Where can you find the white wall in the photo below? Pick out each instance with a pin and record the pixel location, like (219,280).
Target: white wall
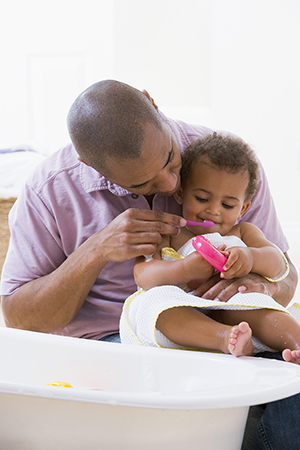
(256,90)
(165,46)
(237,59)
(50,51)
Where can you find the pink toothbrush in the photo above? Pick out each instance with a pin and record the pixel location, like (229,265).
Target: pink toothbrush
(206,223)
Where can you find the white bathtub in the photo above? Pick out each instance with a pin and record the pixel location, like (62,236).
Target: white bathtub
(151,399)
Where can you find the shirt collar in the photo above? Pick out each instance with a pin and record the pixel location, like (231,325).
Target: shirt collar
(92,181)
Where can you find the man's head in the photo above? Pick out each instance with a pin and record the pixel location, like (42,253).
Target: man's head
(117,130)
(108,120)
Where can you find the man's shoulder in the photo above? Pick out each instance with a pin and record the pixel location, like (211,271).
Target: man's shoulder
(60,163)
(186,133)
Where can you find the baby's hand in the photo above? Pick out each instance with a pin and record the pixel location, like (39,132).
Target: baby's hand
(196,267)
(239,263)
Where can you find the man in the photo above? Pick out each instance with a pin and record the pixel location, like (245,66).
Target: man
(90,209)
(86,214)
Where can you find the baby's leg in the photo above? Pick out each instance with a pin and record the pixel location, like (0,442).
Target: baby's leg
(276,329)
(188,327)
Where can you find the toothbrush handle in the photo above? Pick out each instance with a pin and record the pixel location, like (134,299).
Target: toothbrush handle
(209,252)
(207,223)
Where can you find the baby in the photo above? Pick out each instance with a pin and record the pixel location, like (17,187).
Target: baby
(219,177)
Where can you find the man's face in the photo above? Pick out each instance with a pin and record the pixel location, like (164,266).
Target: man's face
(156,171)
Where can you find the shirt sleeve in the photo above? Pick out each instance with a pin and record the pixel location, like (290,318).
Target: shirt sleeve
(35,249)
(262,213)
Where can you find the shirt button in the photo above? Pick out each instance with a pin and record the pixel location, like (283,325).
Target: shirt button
(135,196)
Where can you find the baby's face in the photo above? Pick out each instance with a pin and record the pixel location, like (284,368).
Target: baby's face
(216,195)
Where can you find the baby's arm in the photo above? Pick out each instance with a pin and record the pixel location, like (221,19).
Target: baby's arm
(260,256)
(148,274)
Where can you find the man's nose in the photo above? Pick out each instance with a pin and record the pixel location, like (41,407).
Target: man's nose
(168,182)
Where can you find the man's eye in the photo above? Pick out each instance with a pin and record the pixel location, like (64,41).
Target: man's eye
(140,187)
(170,158)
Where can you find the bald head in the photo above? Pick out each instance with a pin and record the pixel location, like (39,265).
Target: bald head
(107,120)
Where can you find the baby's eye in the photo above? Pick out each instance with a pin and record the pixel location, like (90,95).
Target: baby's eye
(226,206)
(201,199)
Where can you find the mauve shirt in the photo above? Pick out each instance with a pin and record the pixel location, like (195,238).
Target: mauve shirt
(64,202)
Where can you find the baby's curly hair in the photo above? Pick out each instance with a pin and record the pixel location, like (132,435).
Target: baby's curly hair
(225,153)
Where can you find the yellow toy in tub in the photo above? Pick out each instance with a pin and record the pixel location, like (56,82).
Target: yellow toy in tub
(60,384)
(67,385)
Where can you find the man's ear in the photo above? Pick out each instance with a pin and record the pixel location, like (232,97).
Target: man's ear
(81,160)
(245,208)
(150,98)
(179,196)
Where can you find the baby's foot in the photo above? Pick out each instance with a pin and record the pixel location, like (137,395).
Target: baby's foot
(240,343)
(292,356)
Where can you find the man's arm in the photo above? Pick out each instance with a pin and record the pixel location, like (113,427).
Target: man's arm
(49,303)
(282,291)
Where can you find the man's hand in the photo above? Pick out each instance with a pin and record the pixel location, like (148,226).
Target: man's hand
(223,290)
(135,232)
